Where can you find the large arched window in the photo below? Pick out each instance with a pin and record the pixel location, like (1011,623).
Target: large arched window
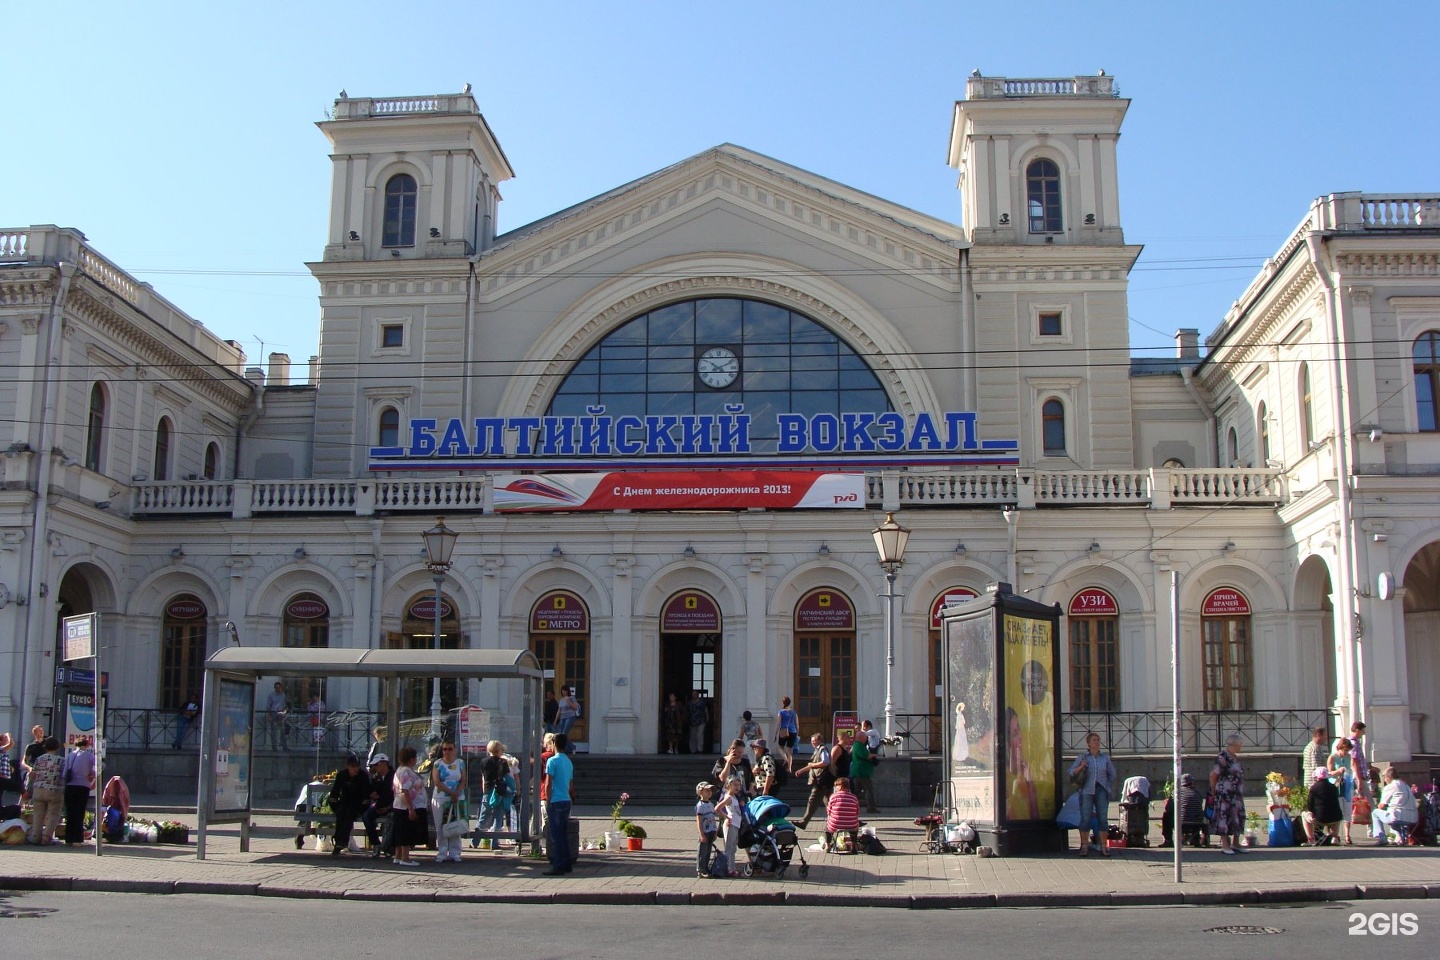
(1427,381)
(212,461)
(1042,188)
(1052,427)
(95,428)
(1262,434)
(1225,626)
(162,449)
(1307,409)
(697,357)
(306,624)
(400,197)
(388,434)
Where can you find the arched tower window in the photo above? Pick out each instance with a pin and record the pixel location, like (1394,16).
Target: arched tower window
(212,461)
(1262,433)
(400,198)
(1427,381)
(1232,446)
(162,449)
(1307,409)
(388,434)
(95,428)
(1052,427)
(1042,189)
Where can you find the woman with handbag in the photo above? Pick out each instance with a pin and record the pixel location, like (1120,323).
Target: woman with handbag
(1342,773)
(409,817)
(1093,774)
(452,811)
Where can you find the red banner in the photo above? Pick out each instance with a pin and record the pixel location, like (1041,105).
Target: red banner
(824,610)
(1225,602)
(560,612)
(690,612)
(680,490)
(1093,602)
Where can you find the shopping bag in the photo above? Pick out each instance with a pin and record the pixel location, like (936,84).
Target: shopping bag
(1360,811)
(1069,815)
(1282,833)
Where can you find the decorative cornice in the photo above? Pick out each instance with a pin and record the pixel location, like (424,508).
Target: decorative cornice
(607,220)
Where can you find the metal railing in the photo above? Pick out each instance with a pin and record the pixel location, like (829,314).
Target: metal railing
(1148,732)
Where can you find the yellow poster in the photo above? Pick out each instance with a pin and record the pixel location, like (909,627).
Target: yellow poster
(1029,719)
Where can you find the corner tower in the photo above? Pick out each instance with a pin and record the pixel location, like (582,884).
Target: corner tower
(414,177)
(1037,160)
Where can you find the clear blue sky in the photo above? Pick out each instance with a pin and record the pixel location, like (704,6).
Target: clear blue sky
(180,137)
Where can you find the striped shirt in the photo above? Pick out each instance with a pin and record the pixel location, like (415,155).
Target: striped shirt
(842,811)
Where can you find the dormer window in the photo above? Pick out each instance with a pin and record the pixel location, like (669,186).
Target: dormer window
(400,200)
(1042,181)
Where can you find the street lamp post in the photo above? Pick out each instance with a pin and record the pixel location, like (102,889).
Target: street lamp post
(890,539)
(439,546)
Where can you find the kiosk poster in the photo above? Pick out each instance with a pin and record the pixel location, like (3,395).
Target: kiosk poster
(232,745)
(970,717)
(1029,718)
(79,716)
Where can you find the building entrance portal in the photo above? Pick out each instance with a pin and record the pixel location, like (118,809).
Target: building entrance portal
(824,660)
(418,633)
(690,661)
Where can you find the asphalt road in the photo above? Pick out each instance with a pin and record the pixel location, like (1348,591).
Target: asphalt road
(38,926)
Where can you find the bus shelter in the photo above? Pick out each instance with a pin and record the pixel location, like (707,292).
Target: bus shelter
(227,733)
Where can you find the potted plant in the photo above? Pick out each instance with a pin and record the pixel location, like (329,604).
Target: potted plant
(634,835)
(1252,827)
(614,838)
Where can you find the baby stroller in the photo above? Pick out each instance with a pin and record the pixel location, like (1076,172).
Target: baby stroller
(769,839)
(1135,811)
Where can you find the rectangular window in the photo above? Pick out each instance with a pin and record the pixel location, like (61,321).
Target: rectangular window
(392,335)
(1050,325)
(1227,663)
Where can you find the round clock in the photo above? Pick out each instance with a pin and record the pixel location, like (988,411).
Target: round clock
(717,367)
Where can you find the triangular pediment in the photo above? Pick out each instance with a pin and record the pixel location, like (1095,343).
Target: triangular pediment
(756,186)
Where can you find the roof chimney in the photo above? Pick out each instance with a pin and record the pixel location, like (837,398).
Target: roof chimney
(1187,343)
(280,369)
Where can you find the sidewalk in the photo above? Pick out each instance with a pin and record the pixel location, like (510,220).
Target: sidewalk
(664,872)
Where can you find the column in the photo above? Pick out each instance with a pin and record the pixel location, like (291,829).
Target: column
(757,653)
(621,730)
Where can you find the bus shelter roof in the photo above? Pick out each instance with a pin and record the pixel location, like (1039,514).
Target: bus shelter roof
(345,662)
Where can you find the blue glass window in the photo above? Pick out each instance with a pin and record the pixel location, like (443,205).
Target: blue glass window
(1042,180)
(400,198)
(788,362)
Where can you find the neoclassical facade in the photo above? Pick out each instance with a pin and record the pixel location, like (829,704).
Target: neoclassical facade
(665,421)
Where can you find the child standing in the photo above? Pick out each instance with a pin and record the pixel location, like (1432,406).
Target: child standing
(705,825)
(730,809)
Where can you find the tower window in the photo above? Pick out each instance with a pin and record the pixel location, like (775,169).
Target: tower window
(1052,419)
(1307,409)
(1427,381)
(162,449)
(95,428)
(1050,324)
(389,433)
(400,198)
(1042,181)
(392,335)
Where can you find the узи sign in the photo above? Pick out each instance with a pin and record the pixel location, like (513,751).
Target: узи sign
(600,440)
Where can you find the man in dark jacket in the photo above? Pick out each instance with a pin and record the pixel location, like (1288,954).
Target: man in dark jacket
(1322,809)
(376,815)
(348,796)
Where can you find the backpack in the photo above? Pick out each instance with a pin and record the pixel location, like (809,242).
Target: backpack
(501,786)
(720,866)
(782,775)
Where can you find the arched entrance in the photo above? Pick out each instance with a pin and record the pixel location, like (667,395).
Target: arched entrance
(824,658)
(182,650)
(1094,618)
(690,654)
(560,640)
(417,632)
(306,624)
(1228,654)
(1422,648)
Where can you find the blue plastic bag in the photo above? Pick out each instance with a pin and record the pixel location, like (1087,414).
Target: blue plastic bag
(1282,833)
(1069,815)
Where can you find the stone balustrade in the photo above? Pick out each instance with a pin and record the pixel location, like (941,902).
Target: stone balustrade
(13,243)
(1027,489)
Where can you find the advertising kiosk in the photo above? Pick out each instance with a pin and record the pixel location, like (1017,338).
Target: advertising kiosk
(1002,721)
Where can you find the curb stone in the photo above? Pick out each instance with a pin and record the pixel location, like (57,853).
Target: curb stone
(1395,891)
(105,885)
(401,896)
(1154,899)
(298,893)
(217,887)
(1052,899)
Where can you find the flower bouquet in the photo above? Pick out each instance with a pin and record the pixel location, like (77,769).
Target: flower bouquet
(633,831)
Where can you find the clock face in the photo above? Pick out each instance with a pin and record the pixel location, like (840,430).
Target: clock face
(717,367)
